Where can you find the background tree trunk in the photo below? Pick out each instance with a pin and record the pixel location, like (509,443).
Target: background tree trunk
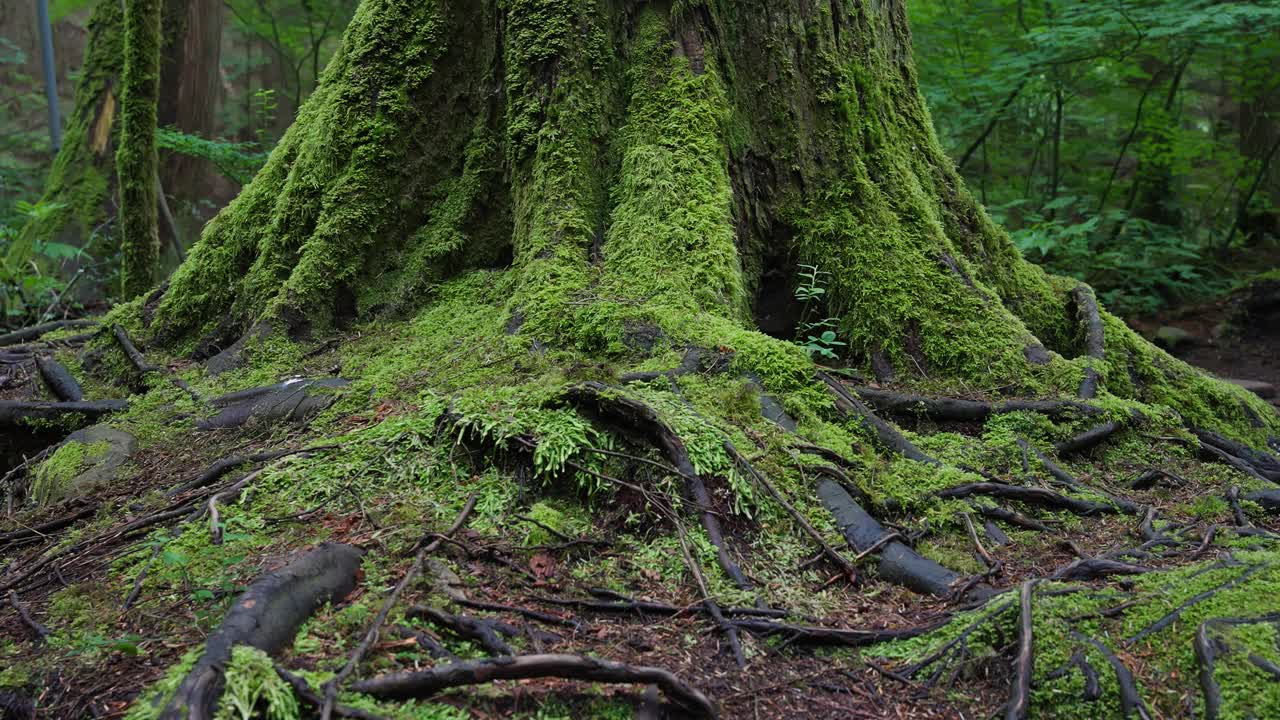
(136,158)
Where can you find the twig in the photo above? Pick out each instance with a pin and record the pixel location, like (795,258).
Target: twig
(41,631)
(332,686)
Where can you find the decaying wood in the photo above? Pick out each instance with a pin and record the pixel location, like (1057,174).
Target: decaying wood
(427,683)
(20,414)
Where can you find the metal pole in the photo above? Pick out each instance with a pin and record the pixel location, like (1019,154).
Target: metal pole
(50,75)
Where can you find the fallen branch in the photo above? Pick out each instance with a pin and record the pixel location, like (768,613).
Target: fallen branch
(1024,665)
(426,683)
(40,631)
(36,331)
(221,467)
(19,414)
(266,616)
(59,379)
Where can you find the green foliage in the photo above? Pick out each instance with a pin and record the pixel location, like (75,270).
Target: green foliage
(1116,138)
(237,161)
(28,291)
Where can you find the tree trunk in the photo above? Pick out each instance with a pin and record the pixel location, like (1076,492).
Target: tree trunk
(83,184)
(581,145)
(137,163)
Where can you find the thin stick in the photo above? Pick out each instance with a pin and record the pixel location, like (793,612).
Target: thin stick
(41,631)
(371,635)
(1024,667)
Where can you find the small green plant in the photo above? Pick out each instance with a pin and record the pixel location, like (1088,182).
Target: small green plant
(815,337)
(30,291)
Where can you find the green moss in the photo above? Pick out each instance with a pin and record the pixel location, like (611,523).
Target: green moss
(136,160)
(53,477)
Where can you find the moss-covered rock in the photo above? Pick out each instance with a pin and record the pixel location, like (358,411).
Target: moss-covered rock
(86,459)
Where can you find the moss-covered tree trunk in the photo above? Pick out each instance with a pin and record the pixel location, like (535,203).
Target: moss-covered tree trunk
(82,190)
(136,161)
(637,165)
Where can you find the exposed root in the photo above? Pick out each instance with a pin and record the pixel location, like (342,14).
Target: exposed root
(1131,701)
(332,687)
(312,698)
(59,379)
(1173,615)
(1013,518)
(889,437)
(899,564)
(22,415)
(426,683)
(1066,479)
(631,414)
(221,467)
(845,566)
(265,616)
(139,362)
(835,637)
(955,409)
(1088,439)
(1030,496)
(1096,569)
(1094,337)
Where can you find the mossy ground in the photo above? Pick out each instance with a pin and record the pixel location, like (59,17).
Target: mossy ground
(428,419)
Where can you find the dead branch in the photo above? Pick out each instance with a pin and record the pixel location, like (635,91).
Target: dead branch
(1024,665)
(59,379)
(40,631)
(426,683)
(36,331)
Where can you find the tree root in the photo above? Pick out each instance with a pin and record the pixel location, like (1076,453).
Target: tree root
(845,566)
(957,410)
(1130,699)
(59,379)
(899,564)
(488,632)
(836,637)
(1029,496)
(1252,462)
(631,414)
(1013,518)
(18,414)
(1088,439)
(1065,478)
(1173,615)
(1097,568)
(266,616)
(889,437)
(36,331)
(426,683)
(139,362)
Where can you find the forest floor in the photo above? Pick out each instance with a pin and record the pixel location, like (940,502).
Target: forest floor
(100,656)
